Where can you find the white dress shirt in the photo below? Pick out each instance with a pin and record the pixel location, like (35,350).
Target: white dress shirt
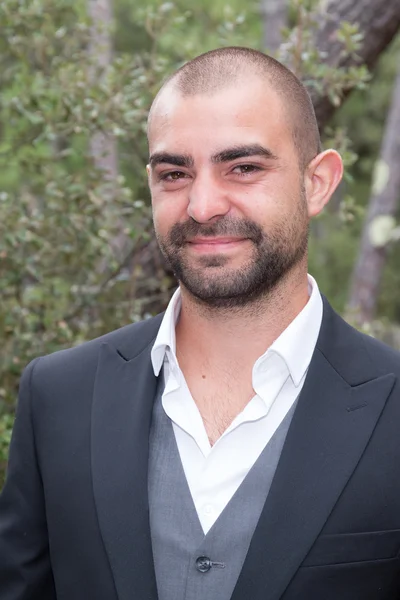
(215,473)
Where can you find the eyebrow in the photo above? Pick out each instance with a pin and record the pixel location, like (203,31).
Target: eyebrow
(179,160)
(184,160)
(243,152)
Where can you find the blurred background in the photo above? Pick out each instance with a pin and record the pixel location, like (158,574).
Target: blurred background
(77,252)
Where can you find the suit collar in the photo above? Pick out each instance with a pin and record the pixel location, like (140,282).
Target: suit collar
(336,340)
(345,349)
(130,341)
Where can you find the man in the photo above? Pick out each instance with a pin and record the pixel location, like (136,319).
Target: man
(245,444)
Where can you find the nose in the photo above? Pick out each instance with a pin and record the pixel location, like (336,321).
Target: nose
(207,199)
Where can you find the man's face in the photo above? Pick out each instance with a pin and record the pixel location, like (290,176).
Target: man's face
(229,208)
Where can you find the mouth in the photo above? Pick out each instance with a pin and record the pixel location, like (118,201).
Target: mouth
(217,244)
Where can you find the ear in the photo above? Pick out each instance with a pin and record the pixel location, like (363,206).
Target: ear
(148,171)
(321,179)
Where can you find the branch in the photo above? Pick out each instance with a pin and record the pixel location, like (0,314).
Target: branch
(378,21)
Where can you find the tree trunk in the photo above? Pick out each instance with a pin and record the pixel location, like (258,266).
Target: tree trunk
(379,21)
(274,17)
(103,146)
(368,270)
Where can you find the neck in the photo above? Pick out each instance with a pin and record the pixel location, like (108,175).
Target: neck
(231,336)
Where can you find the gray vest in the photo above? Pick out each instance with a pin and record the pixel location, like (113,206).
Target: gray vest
(188,564)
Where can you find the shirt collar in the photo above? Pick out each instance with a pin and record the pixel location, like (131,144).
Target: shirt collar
(166,340)
(295,345)
(297,342)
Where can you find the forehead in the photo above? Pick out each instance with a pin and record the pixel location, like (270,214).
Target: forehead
(246,112)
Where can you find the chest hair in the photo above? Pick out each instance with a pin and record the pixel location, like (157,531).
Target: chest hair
(219,400)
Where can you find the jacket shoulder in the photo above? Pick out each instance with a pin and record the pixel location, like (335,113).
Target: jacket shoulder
(81,360)
(358,357)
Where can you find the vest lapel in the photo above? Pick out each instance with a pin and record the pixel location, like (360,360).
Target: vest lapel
(122,406)
(329,432)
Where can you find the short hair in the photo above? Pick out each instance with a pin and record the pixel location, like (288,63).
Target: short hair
(214,70)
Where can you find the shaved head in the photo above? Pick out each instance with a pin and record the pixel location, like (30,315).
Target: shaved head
(216,70)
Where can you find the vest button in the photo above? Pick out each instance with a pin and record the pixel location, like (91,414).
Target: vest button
(203,564)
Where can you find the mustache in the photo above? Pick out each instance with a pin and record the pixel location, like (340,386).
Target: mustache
(180,233)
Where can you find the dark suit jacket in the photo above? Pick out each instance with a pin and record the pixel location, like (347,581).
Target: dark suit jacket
(74,520)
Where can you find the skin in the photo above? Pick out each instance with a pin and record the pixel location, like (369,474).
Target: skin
(213,192)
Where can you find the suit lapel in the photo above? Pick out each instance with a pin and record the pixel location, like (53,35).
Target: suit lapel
(329,432)
(121,418)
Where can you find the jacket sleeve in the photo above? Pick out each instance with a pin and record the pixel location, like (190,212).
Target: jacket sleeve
(25,569)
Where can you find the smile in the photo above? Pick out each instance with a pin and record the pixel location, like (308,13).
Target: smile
(225,244)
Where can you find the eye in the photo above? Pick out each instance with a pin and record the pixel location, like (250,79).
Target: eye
(173,176)
(246,169)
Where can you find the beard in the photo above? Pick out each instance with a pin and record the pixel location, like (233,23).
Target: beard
(210,279)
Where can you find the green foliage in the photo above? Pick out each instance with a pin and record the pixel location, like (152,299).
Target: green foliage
(6,423)
(56,219)
(333,246)
(299,52)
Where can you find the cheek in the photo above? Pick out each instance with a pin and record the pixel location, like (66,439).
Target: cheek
(160,219)
(167,210)
(274,199)
(258,204)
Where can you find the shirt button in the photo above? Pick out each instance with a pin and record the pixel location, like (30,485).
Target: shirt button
(203,564)
(208,510)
